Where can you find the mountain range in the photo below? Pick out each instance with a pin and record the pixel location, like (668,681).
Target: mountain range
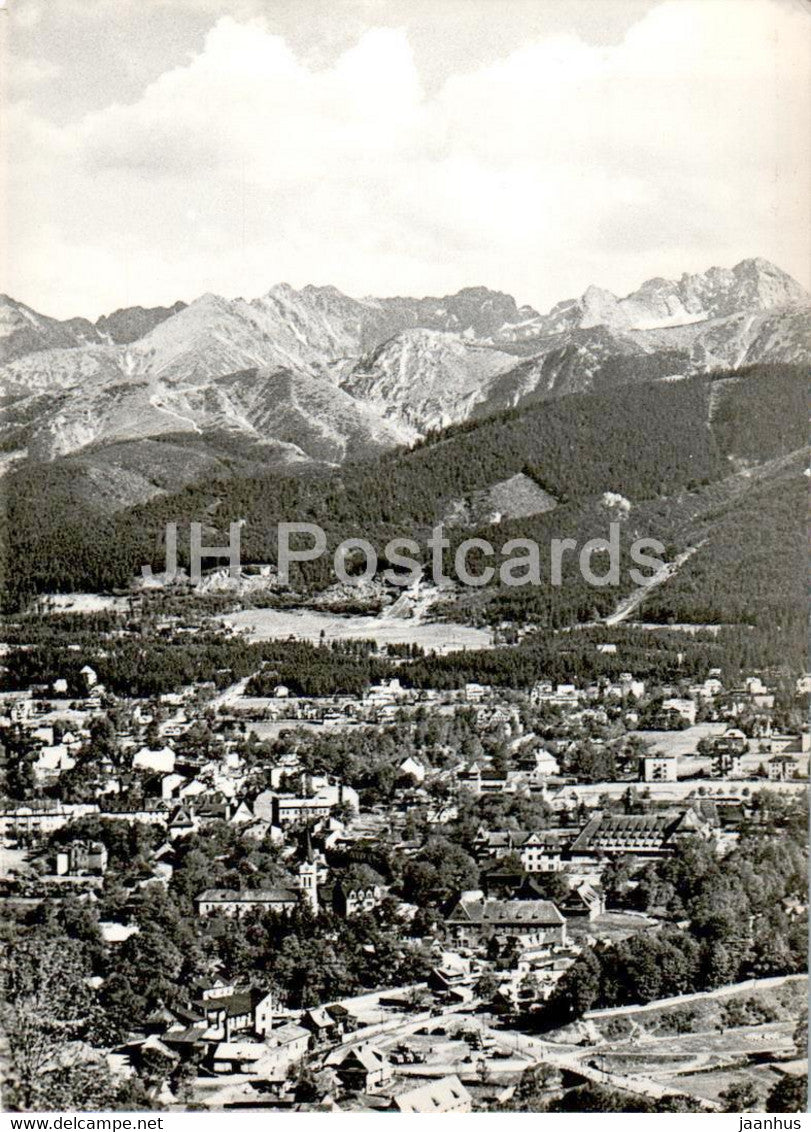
(314,376)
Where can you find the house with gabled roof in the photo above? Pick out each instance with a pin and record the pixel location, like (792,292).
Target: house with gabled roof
(542,851)
(361,890)
(448,1094)
(242,1057)
(475,920)
(181,822)
(321,1025)
(242,1011)
(412,767)
(583,902)
(364,1069)
(494,842)
(212,986)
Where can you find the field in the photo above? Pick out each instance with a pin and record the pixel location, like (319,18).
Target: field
(709,1086)
(310,625)
(681,742)
(614,926)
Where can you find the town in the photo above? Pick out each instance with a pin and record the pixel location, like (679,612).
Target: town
(417,899)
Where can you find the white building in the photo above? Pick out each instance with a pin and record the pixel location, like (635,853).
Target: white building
(161,761)
(89,676)
(683,707)
(659,768)
(413,767)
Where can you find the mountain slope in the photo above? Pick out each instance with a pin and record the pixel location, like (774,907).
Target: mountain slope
(287,406)
(23,330)
(408,365)
(644,442)
(131,323)
(427,378)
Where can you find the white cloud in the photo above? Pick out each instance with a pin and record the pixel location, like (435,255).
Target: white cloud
(28,72)
(561,164)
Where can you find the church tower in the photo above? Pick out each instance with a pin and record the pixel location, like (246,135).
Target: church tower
(308,877)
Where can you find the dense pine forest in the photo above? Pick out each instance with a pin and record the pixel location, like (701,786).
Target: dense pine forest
(690,456)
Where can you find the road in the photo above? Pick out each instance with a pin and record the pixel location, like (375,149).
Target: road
(697,996)
(530,1050)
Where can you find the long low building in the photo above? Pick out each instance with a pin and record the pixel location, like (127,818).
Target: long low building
(230,902)
(42,816)
(644,835)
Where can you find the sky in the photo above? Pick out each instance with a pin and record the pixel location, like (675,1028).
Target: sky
(156,150)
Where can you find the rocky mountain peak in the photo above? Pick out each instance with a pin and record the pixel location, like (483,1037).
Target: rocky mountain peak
(405,364)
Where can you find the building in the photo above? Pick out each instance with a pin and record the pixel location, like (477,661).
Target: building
(52,761)
(564,695)
(727,751)
(480,779)
(248,1058)
(364,1069)
(248,1011)
(229,902)
(42,816)
(354,898)
(583,903)
(152,815)
(414,768)
(387,691)
(542,852)
(790,744)
(290,1039)
(782,768)
(733,741)
(212,987)
(316,801)
(309,874)
(545,766)
(21,709)
(181,822)
(88,676)
(82,858)
(494,843)
(726,764)
(162,761)
(451,973)
(686,708)
(659,768)
(321,1026)
(474,920)
(643,835)
(448,1094)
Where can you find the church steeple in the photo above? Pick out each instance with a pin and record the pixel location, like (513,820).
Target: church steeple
(308,875)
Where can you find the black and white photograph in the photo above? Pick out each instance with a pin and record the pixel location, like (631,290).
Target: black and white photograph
(404,467)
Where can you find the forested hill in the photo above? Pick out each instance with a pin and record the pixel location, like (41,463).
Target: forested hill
(645,443)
